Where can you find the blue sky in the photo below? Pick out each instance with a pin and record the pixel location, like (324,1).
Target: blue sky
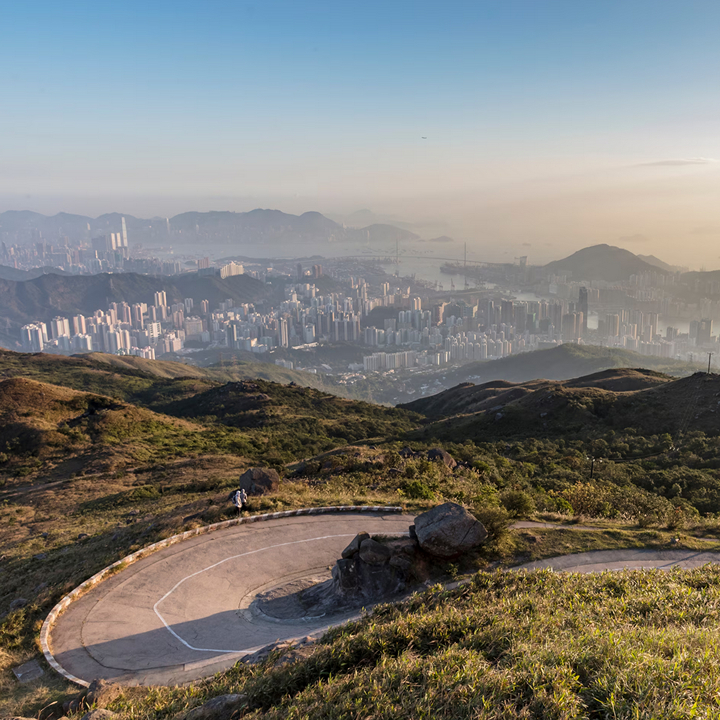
(329,101)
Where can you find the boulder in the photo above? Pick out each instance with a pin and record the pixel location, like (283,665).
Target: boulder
(101,693)
(354,546)
(99,714)
(373,553)
(219,708)
(259,481)
(448,530)
(442,456)
(18,603)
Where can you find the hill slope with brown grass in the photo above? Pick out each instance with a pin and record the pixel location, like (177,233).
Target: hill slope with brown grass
(648,403)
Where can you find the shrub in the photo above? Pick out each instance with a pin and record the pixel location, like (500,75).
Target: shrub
(495,520)
(417,490)
(518,503)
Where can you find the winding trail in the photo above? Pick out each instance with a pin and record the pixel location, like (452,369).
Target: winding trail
(184,612)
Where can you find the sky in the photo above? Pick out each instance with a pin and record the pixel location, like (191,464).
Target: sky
(543,124)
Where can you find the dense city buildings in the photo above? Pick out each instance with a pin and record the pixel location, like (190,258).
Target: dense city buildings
(386,323)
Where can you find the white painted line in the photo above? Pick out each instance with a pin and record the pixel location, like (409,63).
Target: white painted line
(214,565)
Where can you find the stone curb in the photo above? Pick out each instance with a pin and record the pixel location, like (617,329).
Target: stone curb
(143,552)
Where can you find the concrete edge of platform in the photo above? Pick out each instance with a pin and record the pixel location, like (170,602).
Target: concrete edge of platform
(143,552)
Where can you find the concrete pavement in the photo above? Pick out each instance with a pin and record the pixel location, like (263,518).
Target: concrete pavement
(183,612)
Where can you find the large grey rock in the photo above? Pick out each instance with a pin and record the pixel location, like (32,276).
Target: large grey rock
(219,708)
(373,553)
(101,693)
(99,714)
(354,546)
(448,530)
(259,481)
(443,456)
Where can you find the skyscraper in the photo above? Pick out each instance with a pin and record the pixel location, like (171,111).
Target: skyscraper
(583,308)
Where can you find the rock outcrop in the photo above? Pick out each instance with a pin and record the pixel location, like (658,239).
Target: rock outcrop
(219,708)
(448,530)
(259,481)
(443,456)
(370,570)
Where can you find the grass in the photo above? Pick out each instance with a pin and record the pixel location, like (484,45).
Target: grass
(631,644)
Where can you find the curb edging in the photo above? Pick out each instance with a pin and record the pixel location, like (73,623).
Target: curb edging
(119,565)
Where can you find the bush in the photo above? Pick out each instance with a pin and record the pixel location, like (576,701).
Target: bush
(495,520)
(417,490)
(518,503)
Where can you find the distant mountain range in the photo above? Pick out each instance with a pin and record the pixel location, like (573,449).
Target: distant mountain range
(254,227)
(663,265)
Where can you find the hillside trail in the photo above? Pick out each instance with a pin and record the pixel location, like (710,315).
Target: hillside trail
(31,488)
(530,524)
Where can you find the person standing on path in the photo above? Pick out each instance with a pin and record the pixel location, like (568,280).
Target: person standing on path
(239,499)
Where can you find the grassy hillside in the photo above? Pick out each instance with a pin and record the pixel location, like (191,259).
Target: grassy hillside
(98,458)
(561,363)
(467,398)
(583,408)
(629,644)
(139,380)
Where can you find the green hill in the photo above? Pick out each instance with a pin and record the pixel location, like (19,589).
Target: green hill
(139,380)
(648,403)
(467,398)
(561,363)
(102,455)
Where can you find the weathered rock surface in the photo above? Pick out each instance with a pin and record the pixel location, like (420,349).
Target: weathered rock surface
(448,530)
(443,456)
(101,693)
(373,553)
(99,714)
(291,651)
(219,708)
(258,481)
(354,545)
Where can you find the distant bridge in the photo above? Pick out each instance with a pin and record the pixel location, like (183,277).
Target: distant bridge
(395,259)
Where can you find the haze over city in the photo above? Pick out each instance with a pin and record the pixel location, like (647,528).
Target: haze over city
(538,127)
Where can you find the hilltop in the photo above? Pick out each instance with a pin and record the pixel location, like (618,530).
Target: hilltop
(560,363)
(136,379)
(601,262)
(46,296)
(648,403)
(467,398)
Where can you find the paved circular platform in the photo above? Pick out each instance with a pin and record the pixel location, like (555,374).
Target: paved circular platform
(183,612)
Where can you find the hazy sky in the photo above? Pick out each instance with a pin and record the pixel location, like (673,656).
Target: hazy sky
(552,123)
